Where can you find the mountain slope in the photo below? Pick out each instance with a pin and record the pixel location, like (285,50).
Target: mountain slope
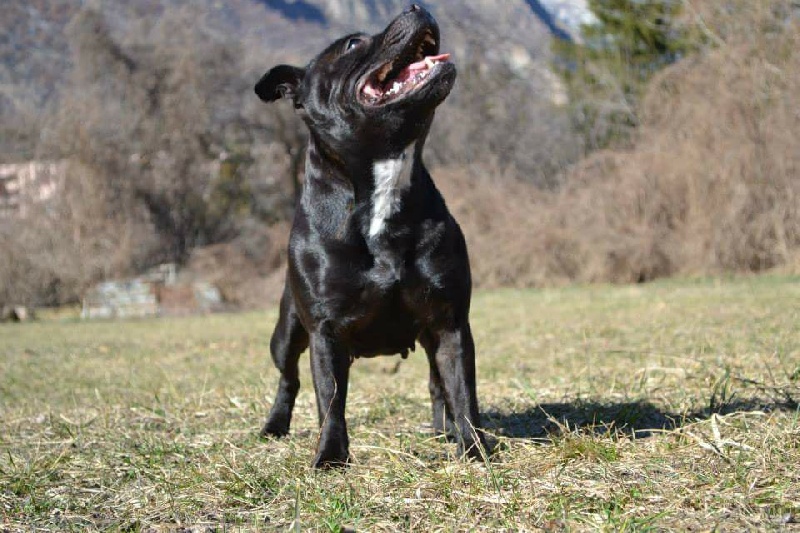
(34,53)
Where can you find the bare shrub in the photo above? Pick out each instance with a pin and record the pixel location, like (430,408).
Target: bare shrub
(712,184)
(161,152)
(57,249)
(505,122)
(498,217)
(248,271)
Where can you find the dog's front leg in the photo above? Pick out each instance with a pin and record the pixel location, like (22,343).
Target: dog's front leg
(455,360)
(330,369)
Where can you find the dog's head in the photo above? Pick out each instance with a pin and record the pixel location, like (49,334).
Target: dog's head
(374,92)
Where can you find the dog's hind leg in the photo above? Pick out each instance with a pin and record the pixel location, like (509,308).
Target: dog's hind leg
(455,360)
(442,417)
(288,341)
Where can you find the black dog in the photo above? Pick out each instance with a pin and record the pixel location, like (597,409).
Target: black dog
(376,261)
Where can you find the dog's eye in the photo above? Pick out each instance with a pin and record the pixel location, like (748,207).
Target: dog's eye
(352,43)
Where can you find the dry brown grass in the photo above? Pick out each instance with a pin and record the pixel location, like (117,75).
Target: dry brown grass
(668,406)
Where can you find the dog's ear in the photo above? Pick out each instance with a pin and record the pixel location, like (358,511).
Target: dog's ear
(280,82)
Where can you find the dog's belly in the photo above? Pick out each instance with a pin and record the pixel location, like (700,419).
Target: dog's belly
(389,331)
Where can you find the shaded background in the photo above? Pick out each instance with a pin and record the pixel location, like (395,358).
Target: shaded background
(609,140)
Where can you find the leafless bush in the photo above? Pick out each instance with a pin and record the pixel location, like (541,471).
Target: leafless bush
(162,143)
(710,186)
(501,220)
(497,119)
(249,270)
(712,183)
(55,250)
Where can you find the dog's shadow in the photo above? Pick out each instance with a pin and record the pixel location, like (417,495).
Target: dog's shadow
(639,419)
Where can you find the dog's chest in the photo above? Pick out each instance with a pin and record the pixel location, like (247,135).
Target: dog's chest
(392,177)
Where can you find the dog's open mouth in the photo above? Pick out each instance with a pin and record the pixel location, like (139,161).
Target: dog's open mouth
(404,74)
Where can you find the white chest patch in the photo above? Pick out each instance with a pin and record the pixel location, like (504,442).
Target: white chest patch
(392,177)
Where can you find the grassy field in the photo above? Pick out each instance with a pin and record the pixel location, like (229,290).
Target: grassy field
(665,406)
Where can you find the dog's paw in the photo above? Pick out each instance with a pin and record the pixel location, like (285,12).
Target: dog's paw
(475,450)
(274,429)
(331,458)
(446,429)
(328,464)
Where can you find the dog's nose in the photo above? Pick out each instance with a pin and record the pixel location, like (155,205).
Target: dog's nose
(414,7)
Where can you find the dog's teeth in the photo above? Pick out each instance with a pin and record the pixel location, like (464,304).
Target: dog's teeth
(429,62)
(396,86)
(369,90)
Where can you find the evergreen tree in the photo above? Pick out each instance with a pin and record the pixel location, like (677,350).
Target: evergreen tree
(606,72)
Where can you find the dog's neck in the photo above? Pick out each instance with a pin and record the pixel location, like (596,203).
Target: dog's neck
(391,177)
(378,182)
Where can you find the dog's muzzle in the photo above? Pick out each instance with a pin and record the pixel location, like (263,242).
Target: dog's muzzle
(416,63)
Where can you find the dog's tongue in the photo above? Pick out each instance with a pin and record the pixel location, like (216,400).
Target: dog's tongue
(420,66)
(426,63)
